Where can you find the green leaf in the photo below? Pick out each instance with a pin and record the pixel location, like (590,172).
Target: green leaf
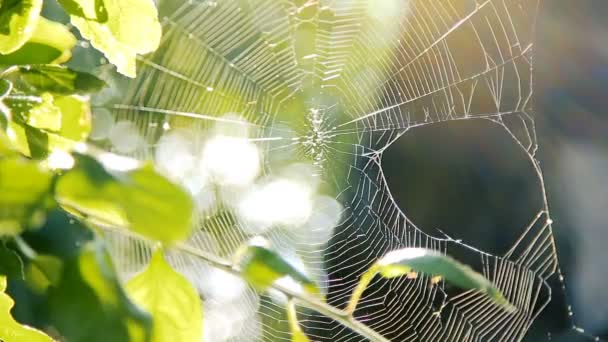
(18,20)
(75,7)
(75,119)
(27,140)
(46,123)
(11,264)
(11,330)
(31,117)
(6,146)
(44,115)
(261,267)
(297,335)
(400,262)
(24,186)
(43,271)
(139,199)
(403,261)
(171,300)
(89,303)
(51,42)
(60,80)
(121,38)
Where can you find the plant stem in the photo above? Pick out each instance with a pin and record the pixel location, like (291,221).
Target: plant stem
(301,298)
(366,278)
(25,248)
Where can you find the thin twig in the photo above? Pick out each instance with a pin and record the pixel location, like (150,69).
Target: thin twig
(301,298)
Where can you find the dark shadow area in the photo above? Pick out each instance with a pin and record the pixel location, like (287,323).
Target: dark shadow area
(468,179)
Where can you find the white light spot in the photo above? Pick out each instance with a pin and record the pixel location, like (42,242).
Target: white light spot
(223,287)
(117,163)
(403,254)
(325,217)
(282,202)
(387,9)
(232,161)
(60,160)
(175,155)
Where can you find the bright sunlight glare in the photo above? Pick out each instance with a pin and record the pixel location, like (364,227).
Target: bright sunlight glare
(279,202)
(232,161)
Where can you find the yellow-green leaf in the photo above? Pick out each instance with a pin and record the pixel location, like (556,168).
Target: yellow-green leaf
(89,304)
(404,261)
(261,267)
(45,115)
(121,37)
(11,330)
(75,7)
(42,124)
(51,42)
(140,199)
(59,80)
(75,118)
(23,187)
(11,264)
(18,20)
(400,262)
(171,300)
(43,271)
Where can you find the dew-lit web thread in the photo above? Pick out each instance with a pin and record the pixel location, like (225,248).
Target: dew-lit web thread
(392,76)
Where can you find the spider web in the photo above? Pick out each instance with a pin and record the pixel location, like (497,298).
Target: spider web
(334,84)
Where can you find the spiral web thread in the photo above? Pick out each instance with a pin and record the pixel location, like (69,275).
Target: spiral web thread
(365,78)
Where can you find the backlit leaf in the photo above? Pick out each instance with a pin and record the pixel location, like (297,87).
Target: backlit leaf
(51,42)
(43,271)
(24,186)
(75,119)
(261,267)
(139,199)
(11,330)
(77,8)
(11,264)
(43,115)
(400,262)
(171,300)
(89,304)
(420,260)
(44,123)
(59,80)
(18,20)
(121,37)
(54,35)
